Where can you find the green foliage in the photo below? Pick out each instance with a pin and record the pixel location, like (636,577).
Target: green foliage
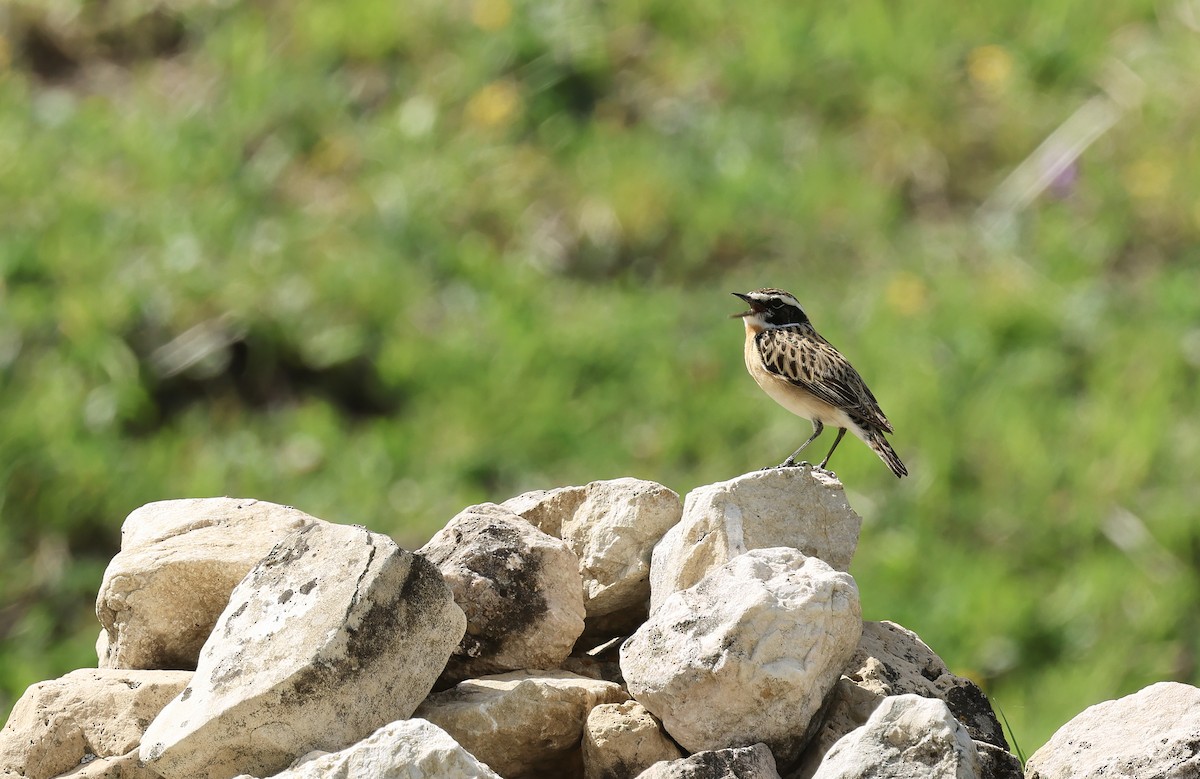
(380,261)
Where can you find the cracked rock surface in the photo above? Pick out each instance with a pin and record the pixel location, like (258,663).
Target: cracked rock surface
(333,634)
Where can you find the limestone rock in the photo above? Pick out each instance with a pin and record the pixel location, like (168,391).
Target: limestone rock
(623,739)
(906,737)
(406,749)
(752,762)
(336,632)
(126,766)
(179,560)
(748,654)
(612,526)
(1152,733)
(800,507)
(547,509)
(96,713)
(614,532)
(519,587)
(524,723)
(891,660)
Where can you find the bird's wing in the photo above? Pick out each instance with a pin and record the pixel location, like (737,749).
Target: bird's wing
(811,363)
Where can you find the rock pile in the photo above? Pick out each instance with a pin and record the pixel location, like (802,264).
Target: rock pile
(603,631)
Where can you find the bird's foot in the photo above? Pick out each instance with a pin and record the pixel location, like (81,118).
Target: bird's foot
(790,463)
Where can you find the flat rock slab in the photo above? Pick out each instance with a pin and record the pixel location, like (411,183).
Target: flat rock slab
(1153,733)
(748,654)
(335,633)
(906,737)
(179,561)
(406,749)
(799,507)
(524,723)
(101,713)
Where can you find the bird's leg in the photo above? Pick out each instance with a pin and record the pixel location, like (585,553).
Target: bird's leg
(836,441)
(818,428)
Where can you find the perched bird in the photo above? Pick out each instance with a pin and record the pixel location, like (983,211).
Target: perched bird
(803,373)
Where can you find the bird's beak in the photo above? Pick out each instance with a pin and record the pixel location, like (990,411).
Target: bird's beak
(754,307)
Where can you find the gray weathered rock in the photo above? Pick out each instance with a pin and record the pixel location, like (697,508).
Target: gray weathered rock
(752,762)
(405,749)
(87,714)
(800,507)
(891,660)
(906,737)
(997,763)
(1153,733)
(524,723)
(601,661)
(748,654)
(519,587)
(336,632)
(622,740)
(179,560)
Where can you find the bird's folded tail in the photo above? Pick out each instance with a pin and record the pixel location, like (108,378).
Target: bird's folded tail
(881,447)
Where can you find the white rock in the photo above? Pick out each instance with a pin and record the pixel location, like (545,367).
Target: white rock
(90,713)
(799,507)
(748,654)
(524,723)
(907,737)
(1152,733)
(892,660)
(336,632)
(126,766)
(179,560)
(405,749)
(752,762)
(612,526)
(547,509)
(519,587)
(623,739)
(614,531)
(103,656)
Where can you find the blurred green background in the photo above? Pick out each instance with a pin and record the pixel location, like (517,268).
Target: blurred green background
(382,260)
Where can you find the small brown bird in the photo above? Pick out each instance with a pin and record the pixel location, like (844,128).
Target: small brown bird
(803,373)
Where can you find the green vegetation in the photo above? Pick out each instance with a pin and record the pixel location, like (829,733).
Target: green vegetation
(382,260)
